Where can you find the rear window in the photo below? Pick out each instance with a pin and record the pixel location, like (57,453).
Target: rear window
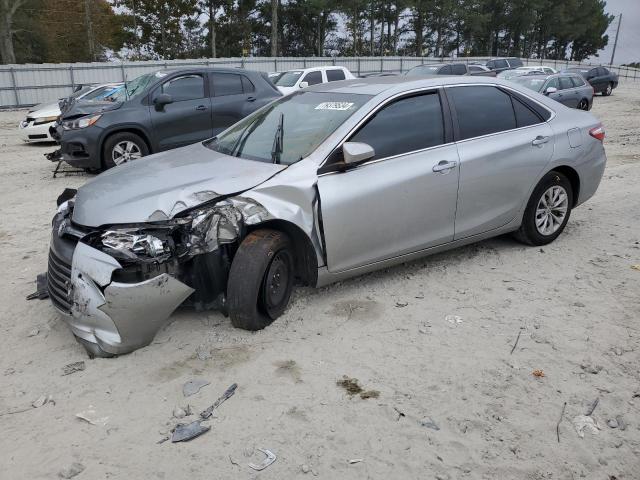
(501,64)
(423,70)
(446,70)
(515,62)
(458,69)
(482,110)
(335,75)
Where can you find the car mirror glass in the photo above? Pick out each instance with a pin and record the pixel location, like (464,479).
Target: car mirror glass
(356,152)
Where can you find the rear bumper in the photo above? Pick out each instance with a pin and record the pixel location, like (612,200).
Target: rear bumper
(117,317)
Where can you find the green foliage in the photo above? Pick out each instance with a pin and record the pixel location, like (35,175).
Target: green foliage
(43,30)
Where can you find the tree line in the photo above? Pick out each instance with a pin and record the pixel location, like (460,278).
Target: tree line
(94,30)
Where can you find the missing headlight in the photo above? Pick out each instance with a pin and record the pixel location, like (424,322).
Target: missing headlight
(135,245)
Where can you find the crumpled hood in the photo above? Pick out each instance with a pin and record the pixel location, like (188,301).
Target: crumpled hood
(159,186)
(44,110)
(79,108)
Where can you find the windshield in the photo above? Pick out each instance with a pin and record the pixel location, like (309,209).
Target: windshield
(135,87)
(102,93)
(288,79)
(509,74)
(296,124)
(80,92)
(534,83)
(423,70)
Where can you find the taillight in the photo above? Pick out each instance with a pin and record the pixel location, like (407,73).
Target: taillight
(597,132)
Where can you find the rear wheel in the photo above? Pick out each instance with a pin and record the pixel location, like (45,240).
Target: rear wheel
(123,147)
(583,104)
(260,280)
(547,211)
(609,90)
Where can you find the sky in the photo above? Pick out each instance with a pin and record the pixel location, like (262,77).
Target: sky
(628,49)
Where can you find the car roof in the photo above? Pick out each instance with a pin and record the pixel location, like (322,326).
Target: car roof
(316,69)
(399,84)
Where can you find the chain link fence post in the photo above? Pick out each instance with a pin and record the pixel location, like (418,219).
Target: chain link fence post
(14,85)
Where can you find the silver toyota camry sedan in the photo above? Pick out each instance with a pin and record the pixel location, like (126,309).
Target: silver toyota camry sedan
(330,182)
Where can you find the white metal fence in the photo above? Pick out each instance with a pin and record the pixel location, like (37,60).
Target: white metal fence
(26,85)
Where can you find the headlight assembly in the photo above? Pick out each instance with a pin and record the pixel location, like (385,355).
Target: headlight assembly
(82,122)
(41,120)
(136,245)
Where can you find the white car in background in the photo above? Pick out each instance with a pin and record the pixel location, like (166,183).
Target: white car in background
(35,128)
(293,80)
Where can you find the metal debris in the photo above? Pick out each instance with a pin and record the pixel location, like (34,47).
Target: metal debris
(184,433)
(584,422)
(355,460)
(73,368)
(430,423)
(592,407)
(42,400)
(91,416)
(269,459)
(42,288)
(227,394)
(193,386)
(33,333)
(621,424)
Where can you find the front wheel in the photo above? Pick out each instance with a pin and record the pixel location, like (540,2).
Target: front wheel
(123,147)
(260,280)
(583,104)
(547,211)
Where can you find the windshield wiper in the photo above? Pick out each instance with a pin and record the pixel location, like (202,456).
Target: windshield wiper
(278,141)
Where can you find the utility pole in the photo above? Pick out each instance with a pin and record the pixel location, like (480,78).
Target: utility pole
(89,26)
(274,28)
(615,43)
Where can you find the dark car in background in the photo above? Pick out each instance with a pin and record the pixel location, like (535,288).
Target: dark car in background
(445,69)
(568,88)
(501,64)
(159,111)
(480,70)
(601,79)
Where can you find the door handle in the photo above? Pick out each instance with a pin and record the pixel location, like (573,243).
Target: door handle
(201,107)
(251,99)
(539,140)
(444,166)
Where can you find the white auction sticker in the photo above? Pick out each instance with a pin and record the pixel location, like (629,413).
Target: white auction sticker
(334,106)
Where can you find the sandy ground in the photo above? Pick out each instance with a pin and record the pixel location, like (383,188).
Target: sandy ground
(576,304)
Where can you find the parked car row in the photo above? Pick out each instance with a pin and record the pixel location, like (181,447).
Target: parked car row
(330,181)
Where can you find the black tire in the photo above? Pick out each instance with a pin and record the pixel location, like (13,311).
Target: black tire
(608,90)
(119,138)
(529,232)
(583,105)
(260,280)
(93,349)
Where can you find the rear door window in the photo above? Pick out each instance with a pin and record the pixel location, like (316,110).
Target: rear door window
(409,124)
(482,110)
(185,87)
(458,69)
(577,81)
(223,84)
(515,62)
(247,85)
(565,83)
(446,70)
(502,64)
(334,75)
(313,78)
(524,115)
(603,71)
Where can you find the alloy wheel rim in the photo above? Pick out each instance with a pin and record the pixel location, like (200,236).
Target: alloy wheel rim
(583,105)
(125,151)
(609,89)
(552,210)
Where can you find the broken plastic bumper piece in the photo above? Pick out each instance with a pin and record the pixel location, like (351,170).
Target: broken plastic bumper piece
(117,317)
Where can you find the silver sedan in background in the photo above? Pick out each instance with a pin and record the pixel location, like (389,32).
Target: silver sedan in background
(332,181)
(568,88)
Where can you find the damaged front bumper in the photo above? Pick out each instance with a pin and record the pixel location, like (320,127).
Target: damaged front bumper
(115,317)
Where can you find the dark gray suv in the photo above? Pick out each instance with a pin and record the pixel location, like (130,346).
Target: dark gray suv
(159,111)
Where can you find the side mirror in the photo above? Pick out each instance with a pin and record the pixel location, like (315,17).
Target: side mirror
(162,100)
(550,90)
(304,84)
(356,152)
